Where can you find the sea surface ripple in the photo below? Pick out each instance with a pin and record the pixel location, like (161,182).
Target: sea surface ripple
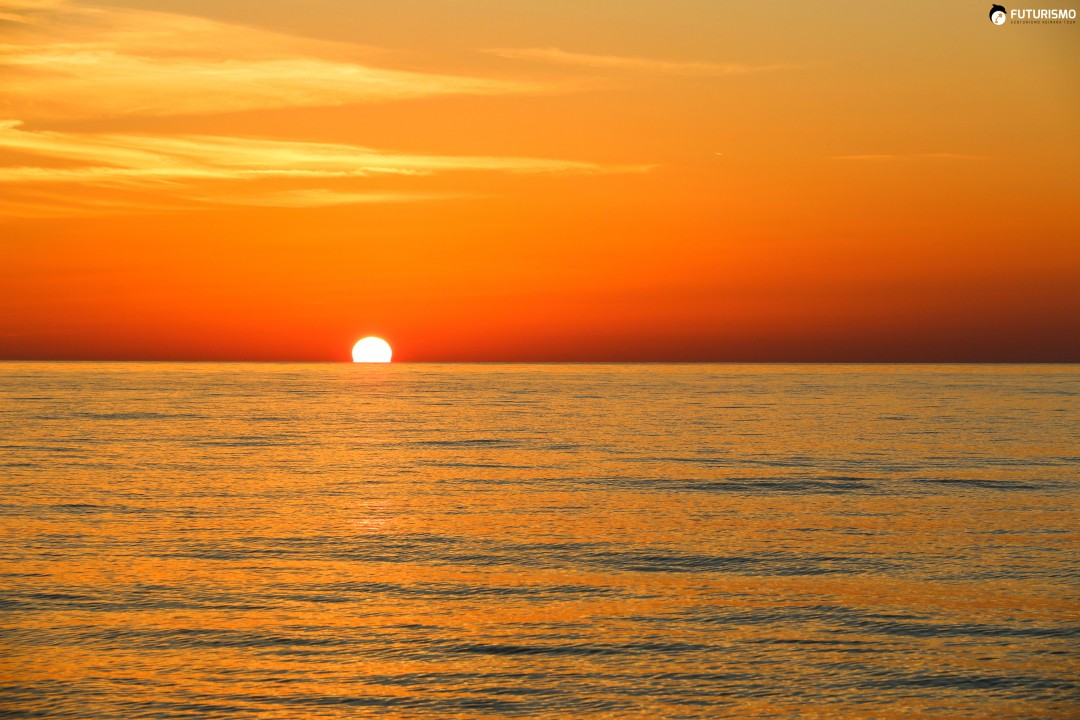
(554,541)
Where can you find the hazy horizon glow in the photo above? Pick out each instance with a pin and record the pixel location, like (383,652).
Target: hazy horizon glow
(528,181)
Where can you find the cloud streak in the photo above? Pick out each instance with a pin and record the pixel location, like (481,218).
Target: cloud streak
(176,166)
(322,197)
(61,61)
(557,56)
(909,156)
(112,157)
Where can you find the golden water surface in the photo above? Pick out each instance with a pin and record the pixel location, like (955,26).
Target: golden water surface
(613,541)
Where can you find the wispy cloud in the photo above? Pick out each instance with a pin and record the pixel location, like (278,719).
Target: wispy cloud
(30,203)
(59,60)
(910,156)
(323,197)
(64,61)
(176,166)
(25,12)
(109,158)
(617,62)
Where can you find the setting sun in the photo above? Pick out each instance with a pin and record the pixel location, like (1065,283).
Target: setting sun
(372,350)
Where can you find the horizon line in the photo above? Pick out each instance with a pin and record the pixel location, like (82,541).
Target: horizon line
(549,362)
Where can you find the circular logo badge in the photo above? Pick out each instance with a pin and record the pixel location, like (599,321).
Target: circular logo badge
(998,14)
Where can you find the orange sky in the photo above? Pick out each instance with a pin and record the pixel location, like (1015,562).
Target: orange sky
(534,180)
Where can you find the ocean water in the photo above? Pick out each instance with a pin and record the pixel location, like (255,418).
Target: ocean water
(551,541)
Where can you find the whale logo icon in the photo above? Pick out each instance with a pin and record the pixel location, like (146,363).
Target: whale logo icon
(998,14)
